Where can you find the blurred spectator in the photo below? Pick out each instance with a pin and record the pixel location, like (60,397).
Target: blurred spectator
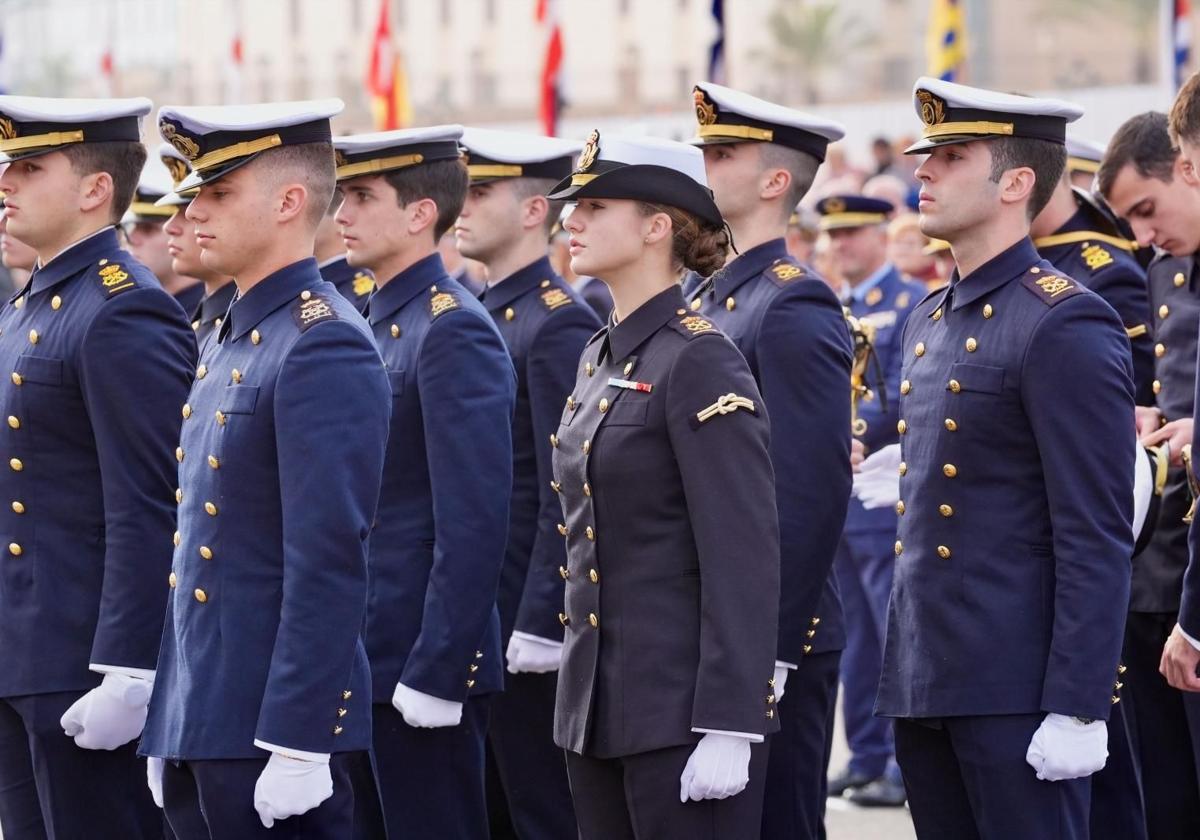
(943,260)
(824,261)
(891,188)
(836,176)
(802,232)
(884,155)
(906,249)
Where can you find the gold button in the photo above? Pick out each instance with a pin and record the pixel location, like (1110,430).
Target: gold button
(236,376)
(903,468)
(771,712)
(899,549)
(905,387)
(13,422)
(15,549)
(564,619)
(179,454)
(988,312)
(201,372)
(696,305)
(395,331)
(16,378)
(592,620)
(590,533)
(346,695)
(919,350)
(305,295)
(433,289)
(178,495)
(1115,699)
(1121,669)
(1157,386)
(33,336)
(338,730)
(187,411)
(18,507)
(172,580)
(563,529)
(628,368)
(16,464)
(946,511)
(972,345)
(220,415)
(56,303)
(470,683)
(810,633)
(206,552)
(680,311)
(807,649)
(1180,279)
(603,404)
(210,508)
(815,621)
(594,576)
(509,314)
(1035,270)
(176,538)
(955,386)
(587,489)
(943,552)
(1164,311)
(730,304)
(564,572)
(588,369)
(214,461)
(950,471)
(340,712)
(555,486)
(19,302)
(103,261)
(1160,350)
(902,427)
(545,284)
(570,403)
(587,447)
(255,336)
(900,507)
(937,314)
(951,426)
(554,441)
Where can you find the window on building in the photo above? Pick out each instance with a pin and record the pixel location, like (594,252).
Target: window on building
(446,12)
(483,81)
(294,16)
(629,75)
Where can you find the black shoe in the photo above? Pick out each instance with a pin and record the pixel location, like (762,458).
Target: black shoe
(881,793)
(848,780)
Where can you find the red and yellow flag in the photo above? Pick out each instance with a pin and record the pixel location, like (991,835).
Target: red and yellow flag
(387,84)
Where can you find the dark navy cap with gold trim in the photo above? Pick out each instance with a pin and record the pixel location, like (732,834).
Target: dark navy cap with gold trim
(642,169)
(955,113)
(217,139)
(852,211)
(153,185)
(730,116)
(35,125)
(387,151)
(179,168)
(494,155)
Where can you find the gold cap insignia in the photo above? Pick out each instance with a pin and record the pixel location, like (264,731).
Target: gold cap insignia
(933,108)
(706,112)
(340,159)
(7,131)
(186,145)
(178,169)
(834,205)
(590,150)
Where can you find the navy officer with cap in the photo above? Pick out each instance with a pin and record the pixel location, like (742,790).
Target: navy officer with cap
(260,710)
(505,224)
(433,630)
(761,159)
(355,283)
(881,299)
(1013,552)
(206,315)
(97,359)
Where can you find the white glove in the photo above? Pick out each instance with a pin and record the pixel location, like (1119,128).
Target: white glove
(425,710)
(111,714)
(781,675)
(1063,748)
(288,787)
(877,482)
(1143,488)
(154,774)
(719,767)
(528,654)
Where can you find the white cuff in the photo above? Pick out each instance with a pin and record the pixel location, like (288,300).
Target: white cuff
(749,736)
(136,673)
(537,640)
(1191,641)
(779,663)
(287,752)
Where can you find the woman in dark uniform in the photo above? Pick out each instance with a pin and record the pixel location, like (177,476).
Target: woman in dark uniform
(672,577)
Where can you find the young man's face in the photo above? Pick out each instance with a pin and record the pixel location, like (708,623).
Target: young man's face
(148,244)
(182,246)
(957,192)
(42,196)
(490,221)
(734,171)
(374,225)
(1162,213)
(227,220)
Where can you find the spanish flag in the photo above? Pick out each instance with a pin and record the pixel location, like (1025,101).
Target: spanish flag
(386,83)
(946,40)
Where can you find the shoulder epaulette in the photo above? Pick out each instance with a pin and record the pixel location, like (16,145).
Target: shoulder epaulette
(312,308)
(783,271)
(1095,256)
(693,325)
(554,298)
(364,284)
(440,303)
(114,278)
(1051,289)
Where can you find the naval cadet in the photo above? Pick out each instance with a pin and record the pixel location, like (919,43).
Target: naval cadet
(1016,470)
(260,709)
(661,457)
(354,283)
(1083,162)
(504,224)
(761,159)
(143,227)
(433,630)
(219,289)
(99,358)
(880,298)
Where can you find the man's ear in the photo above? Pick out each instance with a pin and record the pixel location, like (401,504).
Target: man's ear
(293,201)
(775,183)
(533,211)
(1017,184)
(422,215)
(95,190)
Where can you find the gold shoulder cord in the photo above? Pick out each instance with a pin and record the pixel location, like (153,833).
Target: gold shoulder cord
(863,334)
(1193,484)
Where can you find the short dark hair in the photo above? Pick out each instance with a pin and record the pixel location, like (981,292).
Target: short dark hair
(1045,158)
(1184,120)
(121,159)
(312,165)
(444,182)
(524,188)
(802,166)
(1143,142)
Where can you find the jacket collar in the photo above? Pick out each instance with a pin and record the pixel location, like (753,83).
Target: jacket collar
(516,284)
(626,336)
(388,298)
(1008,265)
(73,260)
(215,306)
(270,293)
(745,266)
